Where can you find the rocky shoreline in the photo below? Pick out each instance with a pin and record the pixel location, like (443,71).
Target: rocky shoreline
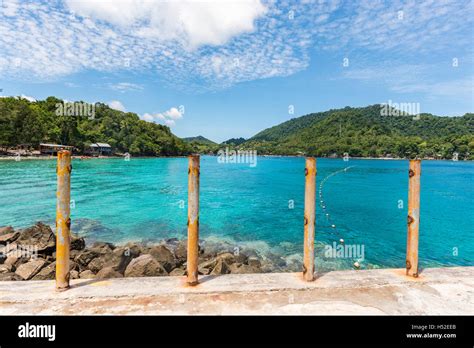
(30,254)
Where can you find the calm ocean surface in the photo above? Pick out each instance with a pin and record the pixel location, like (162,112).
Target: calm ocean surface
(262,207)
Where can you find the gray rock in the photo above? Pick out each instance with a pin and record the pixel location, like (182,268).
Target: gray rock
(86,256)
(74,275)
(164,256)
(249,252)
(243,269)
(102,247)
(220,268)
(15,260)
(49,272)
(254,262)
(227,257)
(40,237)
(177,272)
(87,274)
(133,249)
(119,259)
(72,254)
(123,255)
(77,243)
(206,267)
(103,261)
(73,266)
(145,265)
(6,230)
(30,269)
(5,268)
(172,241)
(108,272)
(181,251)
(9,276)
(9,237)
(233,268)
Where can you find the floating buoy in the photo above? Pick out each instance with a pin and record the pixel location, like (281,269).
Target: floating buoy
(333,226)
(356,264)
(327,214)
(341,241)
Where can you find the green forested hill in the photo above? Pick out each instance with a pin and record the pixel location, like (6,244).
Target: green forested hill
(364,132)
(360,132)
(25,122)
(200,140)
(233,141)
(202,145)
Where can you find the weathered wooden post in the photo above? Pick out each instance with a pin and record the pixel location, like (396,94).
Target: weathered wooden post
(193,220)
(63,220)
(309,218)
(413,220)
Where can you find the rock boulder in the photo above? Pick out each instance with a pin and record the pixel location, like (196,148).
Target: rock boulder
(28,270)
(39,236)
(108,272)
(145,266)
(164,256)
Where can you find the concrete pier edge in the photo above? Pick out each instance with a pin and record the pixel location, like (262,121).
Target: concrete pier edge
(447,290)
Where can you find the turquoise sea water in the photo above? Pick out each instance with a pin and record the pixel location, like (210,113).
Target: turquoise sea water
(262,206)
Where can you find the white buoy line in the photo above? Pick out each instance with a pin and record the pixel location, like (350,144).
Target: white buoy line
(324,205)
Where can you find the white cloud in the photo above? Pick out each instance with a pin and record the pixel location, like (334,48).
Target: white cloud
(125,86)
(209,45)
(30,99)
(148,117)
(117,105)
(52,41)
(9,7)
(173,114)
(71,84)
(402,26)
(192,23)
(168,117)
(415,78)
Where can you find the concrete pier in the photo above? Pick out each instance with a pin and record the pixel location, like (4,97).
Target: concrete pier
(382,291)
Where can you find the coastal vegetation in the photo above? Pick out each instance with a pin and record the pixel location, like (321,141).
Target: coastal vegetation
(364,132)
(23,122)
(357,132)
(234,141)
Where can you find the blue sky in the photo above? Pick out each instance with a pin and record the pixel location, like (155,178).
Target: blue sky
(226,69)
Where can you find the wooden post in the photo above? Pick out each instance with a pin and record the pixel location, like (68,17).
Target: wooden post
(413,220)
(309,218)
(193,220)
(63,220)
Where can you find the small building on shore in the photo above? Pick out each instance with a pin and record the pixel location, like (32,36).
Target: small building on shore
(100,149)
(52,149)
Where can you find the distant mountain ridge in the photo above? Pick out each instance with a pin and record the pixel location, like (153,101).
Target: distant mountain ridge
(358,132)
(234,141)
(364,132)
(199,139)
